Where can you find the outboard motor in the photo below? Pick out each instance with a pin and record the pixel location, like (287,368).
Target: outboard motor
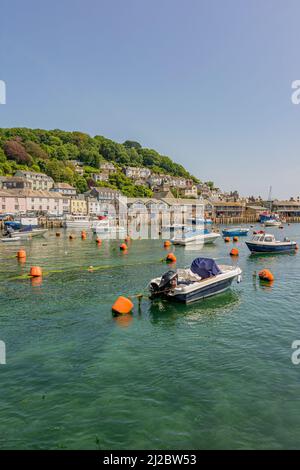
(167,283)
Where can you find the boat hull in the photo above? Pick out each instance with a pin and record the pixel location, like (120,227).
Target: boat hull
(202,239)
(10,240)
(284,248)
(235,233)
(30,234)
(77,224)
(204,292)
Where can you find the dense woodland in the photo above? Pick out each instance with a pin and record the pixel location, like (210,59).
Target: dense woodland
(49,151)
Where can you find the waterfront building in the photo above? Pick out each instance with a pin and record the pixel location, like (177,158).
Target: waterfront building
(166,209)
(224,209)
(39,181)
(286,209)
(16,201)
(94,207)
(78,205)
(65,189)
(253,210)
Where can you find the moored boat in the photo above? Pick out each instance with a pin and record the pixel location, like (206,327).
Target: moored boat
(10,240)
(200,221)
(266,243)
(203,279)
(195,237)
(272,223)
(106,226)
(78,221)
(235,232)
(35,232)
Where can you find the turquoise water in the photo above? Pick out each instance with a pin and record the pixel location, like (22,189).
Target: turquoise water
(216,374)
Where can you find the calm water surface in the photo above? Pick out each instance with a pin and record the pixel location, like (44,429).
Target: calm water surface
(216,374)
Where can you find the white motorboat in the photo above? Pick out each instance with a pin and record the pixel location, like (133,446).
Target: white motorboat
(195,237)
(272,223)
(78,221)
(10,240)
(35,232)
(203,279)
(107,227)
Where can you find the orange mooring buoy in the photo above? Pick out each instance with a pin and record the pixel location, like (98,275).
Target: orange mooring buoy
(57,234)
(171,258)
(21,254)
(122,306)
(167,243)
(123,246)
(83,235)
(35,271)
(98,241)
(266,275)
(235,239)
(234,252)
(226,239)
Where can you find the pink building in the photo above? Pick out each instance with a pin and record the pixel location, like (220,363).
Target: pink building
(13,201)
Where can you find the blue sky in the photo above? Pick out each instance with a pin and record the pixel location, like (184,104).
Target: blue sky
(207,82)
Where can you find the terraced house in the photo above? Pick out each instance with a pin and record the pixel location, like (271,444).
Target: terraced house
(14,201)
(39,181)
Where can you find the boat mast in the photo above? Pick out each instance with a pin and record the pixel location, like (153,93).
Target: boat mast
(270,199)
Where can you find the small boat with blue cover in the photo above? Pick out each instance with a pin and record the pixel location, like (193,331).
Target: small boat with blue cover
(203,279)
(235,232)
(266,243)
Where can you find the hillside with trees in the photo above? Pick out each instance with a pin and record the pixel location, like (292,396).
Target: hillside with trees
(50,152)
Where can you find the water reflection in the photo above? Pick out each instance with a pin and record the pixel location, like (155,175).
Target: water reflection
(123,321)
(162,310)
(36,281)
(266,285)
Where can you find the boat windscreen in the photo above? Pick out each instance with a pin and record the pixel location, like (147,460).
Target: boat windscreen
(205,267)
